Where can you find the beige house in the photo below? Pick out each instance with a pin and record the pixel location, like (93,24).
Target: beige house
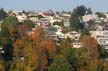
(77,44)
(87,18)
(100,36)
(21,18)
(73,35)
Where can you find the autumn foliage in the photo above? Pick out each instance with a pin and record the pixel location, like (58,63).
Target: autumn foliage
(91,55)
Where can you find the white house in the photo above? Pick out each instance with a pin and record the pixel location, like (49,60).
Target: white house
(1,50)
(21,18)
(0,27)
(55,19)
(0,24)
(99,27)
(77,44)
(100,36)
(44,22)
(33,19)
(73,35)
(59,34)
(66,19)
(58,27)
(87,18)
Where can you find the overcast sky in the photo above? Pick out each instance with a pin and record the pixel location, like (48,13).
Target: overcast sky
(57,5)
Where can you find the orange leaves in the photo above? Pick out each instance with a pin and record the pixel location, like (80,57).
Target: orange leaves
(92,53)
(38,37)
(36,34)
(91,45)
(89,41)
(2,66)
(45,45)
(51,47)
(50,44)
(43,59)
(18,43)
(28,52)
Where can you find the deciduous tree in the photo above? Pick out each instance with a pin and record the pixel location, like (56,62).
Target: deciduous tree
(60,64)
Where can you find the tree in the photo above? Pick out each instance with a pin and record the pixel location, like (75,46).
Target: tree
(9,26)
(85,32)
(70,54)
(91,24)
(43,47)
(60,64)
(29,23)
(91,54)
(99,14)
(80,10)
(43,59)
(89,11)
(25,55)
(3,14)
(36,35)
(8,52)
(76,18)
(91,45)
(58,23)
(2,65)
(11,13)
(22,29)
(105,64)
(75,22)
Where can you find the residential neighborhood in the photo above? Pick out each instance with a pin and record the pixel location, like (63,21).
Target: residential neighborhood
(50,40)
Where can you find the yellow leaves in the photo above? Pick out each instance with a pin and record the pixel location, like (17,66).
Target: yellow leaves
(11,30)
(36,34)
(89,41)
(91,45)
(2,67)
(18,43)
(105,66)
(92,53)
(34,51)
(29,52)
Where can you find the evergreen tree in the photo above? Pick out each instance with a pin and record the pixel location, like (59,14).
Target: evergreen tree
(80,10)
(75,22)
(3,14)
(9,26)
(89,11)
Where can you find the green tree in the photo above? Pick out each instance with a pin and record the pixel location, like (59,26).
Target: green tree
(29,23)
(85,32)
(99,14)
(9,26)
(75,22)
(70,55)
(3,14)
(91,24)
(60,64)
(80,10)
(58,23)
(89,11)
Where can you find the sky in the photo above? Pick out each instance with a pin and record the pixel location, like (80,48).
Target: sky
(56,5)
